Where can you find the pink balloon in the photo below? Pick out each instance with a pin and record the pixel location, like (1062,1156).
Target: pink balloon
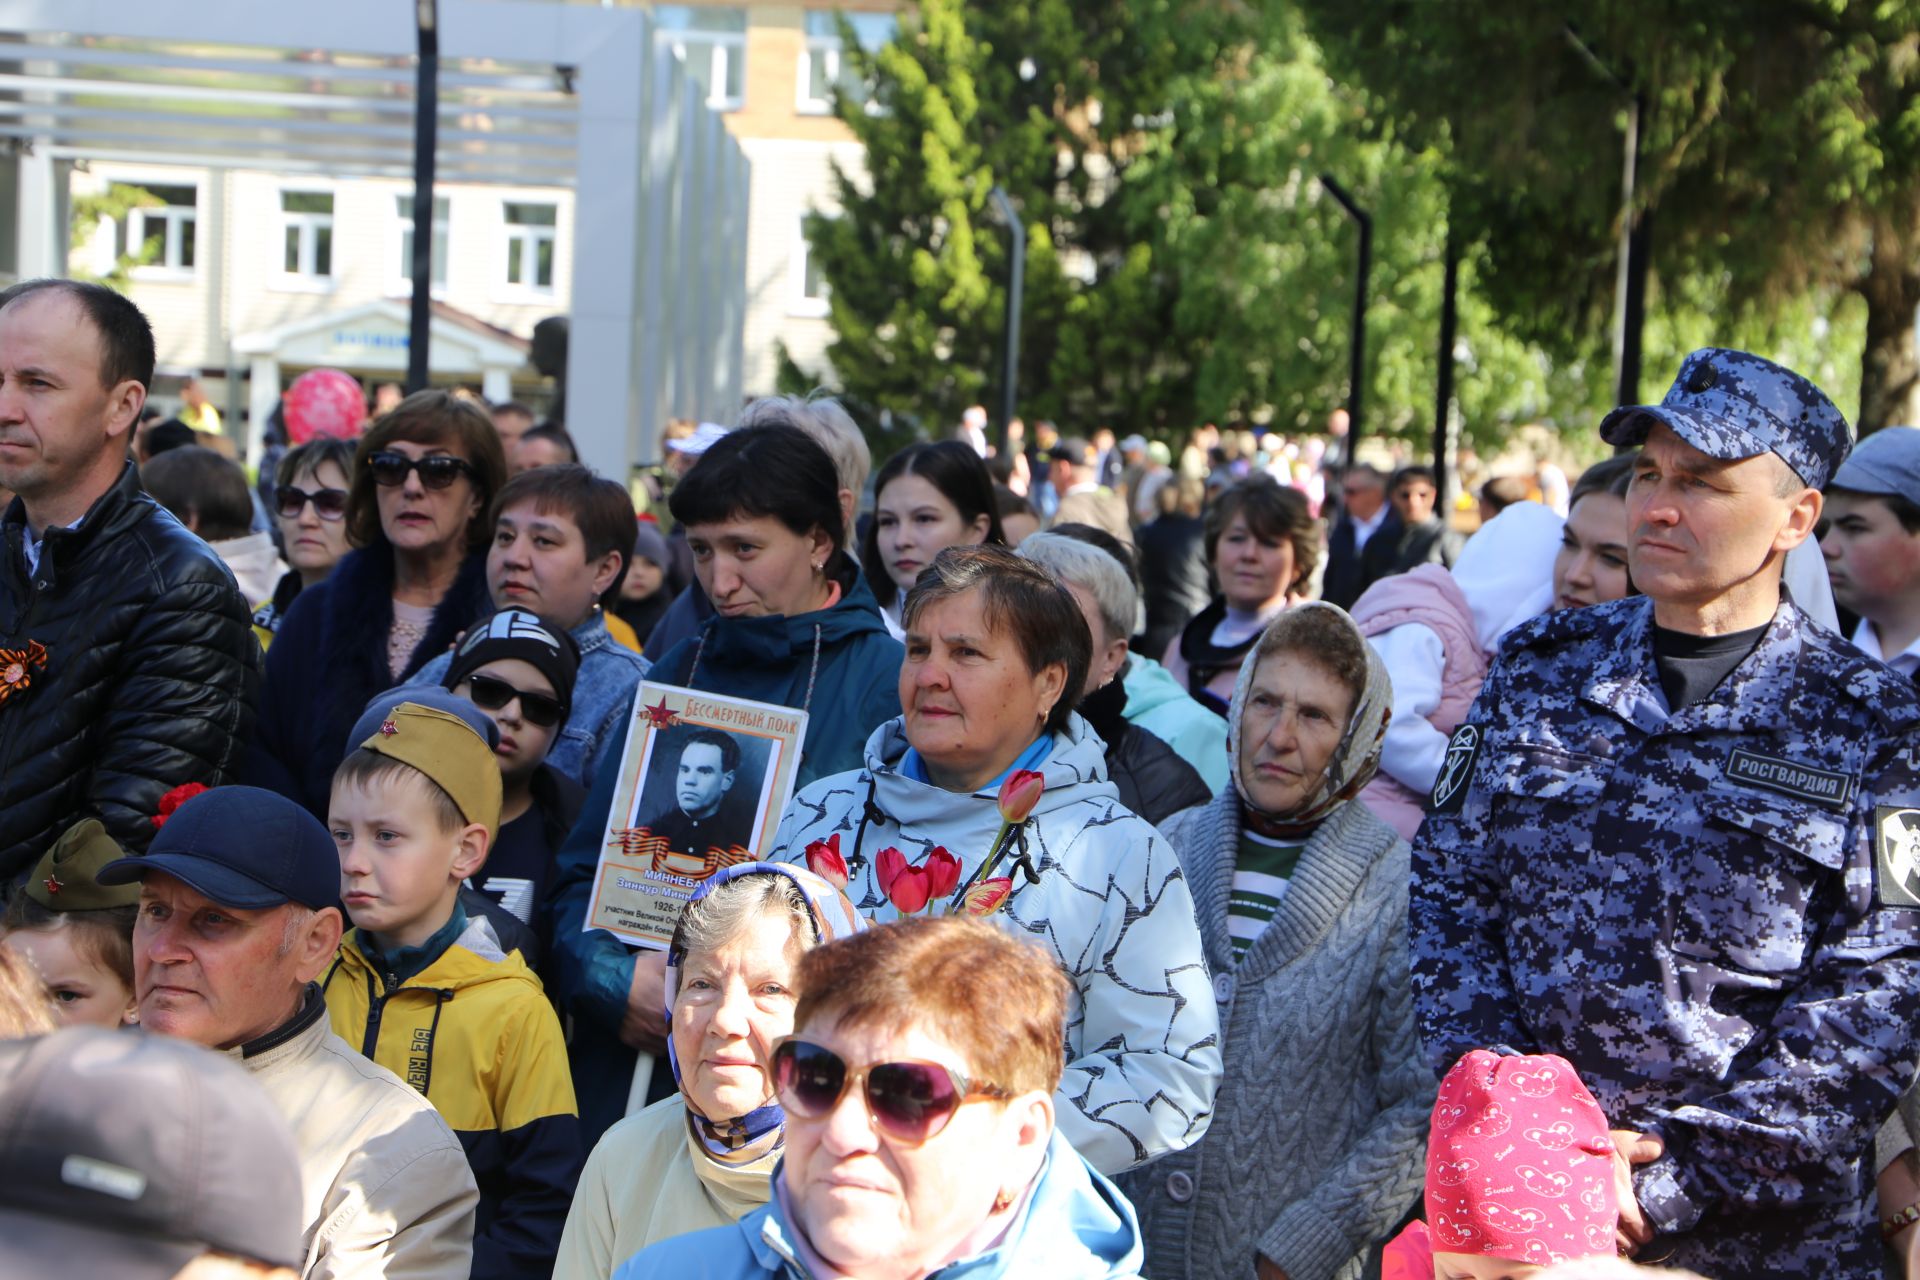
(324,402)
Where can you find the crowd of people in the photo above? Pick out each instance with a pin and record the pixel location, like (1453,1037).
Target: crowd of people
(1200,864)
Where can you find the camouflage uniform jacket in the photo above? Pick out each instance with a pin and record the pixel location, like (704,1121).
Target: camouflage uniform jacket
(1688,908)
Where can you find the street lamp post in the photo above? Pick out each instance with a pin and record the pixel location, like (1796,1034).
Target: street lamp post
(1357,347)
(1016,290)
(1636,236)
(426,119)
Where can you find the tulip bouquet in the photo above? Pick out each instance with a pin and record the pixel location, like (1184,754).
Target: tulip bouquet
(912,888)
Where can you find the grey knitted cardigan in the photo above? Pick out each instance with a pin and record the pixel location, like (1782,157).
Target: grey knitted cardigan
(1318,1142)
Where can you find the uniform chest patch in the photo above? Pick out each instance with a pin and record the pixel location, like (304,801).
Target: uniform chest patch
(1896,855)
(1456,770)
(1823,787)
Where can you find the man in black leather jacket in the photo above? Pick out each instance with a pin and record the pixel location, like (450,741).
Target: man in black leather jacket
(127,665)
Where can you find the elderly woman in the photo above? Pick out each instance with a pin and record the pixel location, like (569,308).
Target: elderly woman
(1319,1129)
(990,795)
(919,1088)
(1153,781)
(417,501)
(1262,544)
(795,625)
(703,1158)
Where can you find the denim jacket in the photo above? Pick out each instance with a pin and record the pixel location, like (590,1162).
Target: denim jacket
(609,674)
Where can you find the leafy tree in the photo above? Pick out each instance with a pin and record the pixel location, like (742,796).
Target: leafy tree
(1781,163)
(113,205)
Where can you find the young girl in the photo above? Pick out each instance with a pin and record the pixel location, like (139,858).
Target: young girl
(76,934)
(1520,1174)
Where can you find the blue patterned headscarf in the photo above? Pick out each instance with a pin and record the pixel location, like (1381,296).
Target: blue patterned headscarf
(833,916)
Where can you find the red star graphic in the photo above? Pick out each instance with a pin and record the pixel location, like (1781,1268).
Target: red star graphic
(53,884)
(389,728)
(660,716)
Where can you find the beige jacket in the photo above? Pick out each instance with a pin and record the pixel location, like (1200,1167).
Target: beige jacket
(642,1184)
(1100,507)
(386,1187)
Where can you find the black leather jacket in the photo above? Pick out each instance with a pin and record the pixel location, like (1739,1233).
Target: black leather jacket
(133,669)
(1152,779)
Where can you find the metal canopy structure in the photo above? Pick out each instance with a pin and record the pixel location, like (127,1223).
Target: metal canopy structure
(530,94)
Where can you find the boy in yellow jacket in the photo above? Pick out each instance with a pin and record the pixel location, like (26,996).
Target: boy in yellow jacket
(432,995)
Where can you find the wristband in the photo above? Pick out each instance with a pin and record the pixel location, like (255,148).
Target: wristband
(1891,1227)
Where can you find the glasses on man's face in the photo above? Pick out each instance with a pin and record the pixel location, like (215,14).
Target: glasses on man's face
(328,504)
(490,694)
(437,471)
(910,1102)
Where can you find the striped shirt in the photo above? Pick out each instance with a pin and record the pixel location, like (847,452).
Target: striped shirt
(1260,879)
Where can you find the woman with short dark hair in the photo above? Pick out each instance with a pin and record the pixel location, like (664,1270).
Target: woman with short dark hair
(989,795)
(1262,543)
(308,498)
(796,626)
(417,500)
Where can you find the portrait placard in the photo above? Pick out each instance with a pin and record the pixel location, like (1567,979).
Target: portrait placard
(703,780)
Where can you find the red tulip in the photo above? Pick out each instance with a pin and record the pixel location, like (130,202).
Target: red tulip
(1019,793)
(943,871)
(887,868)
(987,897)
(910,890)
(824,860)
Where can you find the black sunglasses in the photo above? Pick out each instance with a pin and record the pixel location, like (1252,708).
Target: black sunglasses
(492,695)
(910,1102)
(436,472)
(331,504)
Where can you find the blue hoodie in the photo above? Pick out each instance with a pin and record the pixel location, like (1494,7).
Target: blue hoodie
(1075,1226)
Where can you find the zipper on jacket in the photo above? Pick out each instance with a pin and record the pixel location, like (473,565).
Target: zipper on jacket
(376,1007)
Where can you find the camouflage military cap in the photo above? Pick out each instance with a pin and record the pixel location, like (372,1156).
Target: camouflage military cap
(64,880)
(1732,405)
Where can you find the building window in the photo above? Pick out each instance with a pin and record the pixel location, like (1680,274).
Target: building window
(403,215)
(306,234)
(823,69)
(530,233)
(809,280)
(712,41)
(164,235)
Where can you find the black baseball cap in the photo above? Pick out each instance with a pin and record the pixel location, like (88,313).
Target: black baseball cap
(241,847)
(127,1155)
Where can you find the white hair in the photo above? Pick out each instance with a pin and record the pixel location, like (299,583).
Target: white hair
(832,428)
(1084,565)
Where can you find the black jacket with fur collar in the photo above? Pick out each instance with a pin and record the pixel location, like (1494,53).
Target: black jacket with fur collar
(329,659)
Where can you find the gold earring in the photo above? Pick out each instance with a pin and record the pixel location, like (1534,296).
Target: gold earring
(1002,1201)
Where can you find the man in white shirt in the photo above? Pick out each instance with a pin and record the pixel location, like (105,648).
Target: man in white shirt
(1871,539)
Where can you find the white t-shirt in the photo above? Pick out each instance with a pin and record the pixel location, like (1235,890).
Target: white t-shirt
(1867,641)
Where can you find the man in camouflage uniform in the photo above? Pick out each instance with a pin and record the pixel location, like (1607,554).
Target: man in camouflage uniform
(1660,845)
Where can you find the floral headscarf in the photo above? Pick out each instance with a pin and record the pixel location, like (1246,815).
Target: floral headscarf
(741,1140)
(1357,757)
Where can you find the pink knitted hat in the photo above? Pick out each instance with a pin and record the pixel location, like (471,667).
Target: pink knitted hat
(324,402)
(1519,1162)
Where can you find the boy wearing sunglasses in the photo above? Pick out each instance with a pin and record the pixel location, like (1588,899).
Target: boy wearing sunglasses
(519,672)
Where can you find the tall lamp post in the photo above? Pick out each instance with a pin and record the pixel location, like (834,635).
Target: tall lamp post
(1357,347)
(1636,237)
(1016,290)
(426,121)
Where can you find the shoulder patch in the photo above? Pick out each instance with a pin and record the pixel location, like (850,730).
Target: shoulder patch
(1456,770)
(1896,856)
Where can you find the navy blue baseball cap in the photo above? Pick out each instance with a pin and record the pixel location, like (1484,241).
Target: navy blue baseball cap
(1731,405)
(241,847)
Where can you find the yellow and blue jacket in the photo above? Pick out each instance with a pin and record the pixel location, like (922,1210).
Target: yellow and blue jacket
(472,1030)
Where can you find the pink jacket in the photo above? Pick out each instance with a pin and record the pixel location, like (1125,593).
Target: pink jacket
(1431,598)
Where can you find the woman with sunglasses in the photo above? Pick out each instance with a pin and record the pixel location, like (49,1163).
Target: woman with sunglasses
(416,515)
(794,625)
(919,1088)
(705,1156)
(1319,1129)
(990,795)
(310,506)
